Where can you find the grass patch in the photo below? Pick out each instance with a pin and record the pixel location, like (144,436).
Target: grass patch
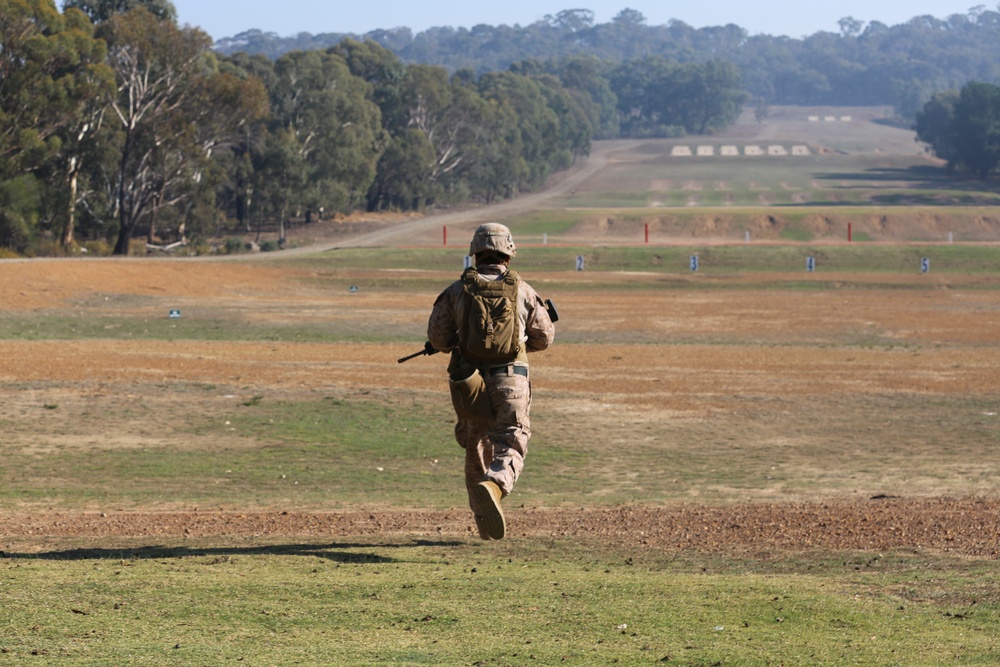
(749,259)
(759,452)
(436,603)
(197,324)
(737,258)
(253,452)
(397,450)
(797,234)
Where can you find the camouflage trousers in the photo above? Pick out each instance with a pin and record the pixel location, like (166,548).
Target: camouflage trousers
(495,449)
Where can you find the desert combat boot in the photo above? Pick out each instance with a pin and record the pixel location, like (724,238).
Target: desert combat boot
(491,521)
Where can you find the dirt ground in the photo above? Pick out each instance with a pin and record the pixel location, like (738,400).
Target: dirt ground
(963,527)
(741,344)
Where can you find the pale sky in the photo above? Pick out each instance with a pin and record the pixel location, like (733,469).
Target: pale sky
(795,18)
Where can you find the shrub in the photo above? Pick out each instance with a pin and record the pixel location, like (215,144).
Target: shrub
(233,245)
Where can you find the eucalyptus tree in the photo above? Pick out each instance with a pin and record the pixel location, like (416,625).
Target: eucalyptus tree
(385,74)
(430,121)
(51,67)
(155,65)
(590,76)
(975,128)
(325,136)
(497,167)
(172,109)
(448,113)
(52,76)
(934,125)
(239,192)
(645,93)
(403,179)
(100,11)
(710,96)
(537,124)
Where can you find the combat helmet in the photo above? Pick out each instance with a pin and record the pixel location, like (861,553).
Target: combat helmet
(492,236)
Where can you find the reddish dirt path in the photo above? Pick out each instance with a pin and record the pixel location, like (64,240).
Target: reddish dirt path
(966,527)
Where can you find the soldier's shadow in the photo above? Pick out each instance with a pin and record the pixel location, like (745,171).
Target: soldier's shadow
(334,552)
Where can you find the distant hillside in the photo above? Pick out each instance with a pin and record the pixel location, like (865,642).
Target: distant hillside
(863,64)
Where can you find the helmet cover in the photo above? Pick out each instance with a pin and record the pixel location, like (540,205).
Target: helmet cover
(492,236)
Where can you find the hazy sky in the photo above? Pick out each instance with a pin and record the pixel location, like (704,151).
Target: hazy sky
(795,18)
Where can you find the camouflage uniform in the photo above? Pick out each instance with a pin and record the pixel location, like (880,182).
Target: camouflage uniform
(494,448)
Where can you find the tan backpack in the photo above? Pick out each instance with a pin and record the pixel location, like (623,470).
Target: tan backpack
(489,327)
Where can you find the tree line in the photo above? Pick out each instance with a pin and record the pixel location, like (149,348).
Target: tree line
(855,63)
(116,123)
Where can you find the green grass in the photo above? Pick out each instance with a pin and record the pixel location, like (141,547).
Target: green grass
(518,602)
(254,452)
(195,324)
(533,260)
(397,451)
(750,259)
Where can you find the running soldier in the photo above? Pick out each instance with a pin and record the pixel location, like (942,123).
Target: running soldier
(490,320)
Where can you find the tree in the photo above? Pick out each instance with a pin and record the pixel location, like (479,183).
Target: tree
(155,63)
(712,96)
(54,84)
(497,165)
(404,175)
(51,67)
(384,72)
(646,93)
(537,124)
(630,17)
(573,20)
(575,126)
(590,76)
(446,112)
(242,182)
(100,11)
(78,145)
(850,26)
(934,125)
(173,109)
(975,132)
(221,108)
(326,131)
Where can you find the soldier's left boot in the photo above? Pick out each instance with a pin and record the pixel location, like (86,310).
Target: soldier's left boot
(487,495)
(481,526)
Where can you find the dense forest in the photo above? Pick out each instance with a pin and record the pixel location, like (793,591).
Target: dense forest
(117,124)
(859,64)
